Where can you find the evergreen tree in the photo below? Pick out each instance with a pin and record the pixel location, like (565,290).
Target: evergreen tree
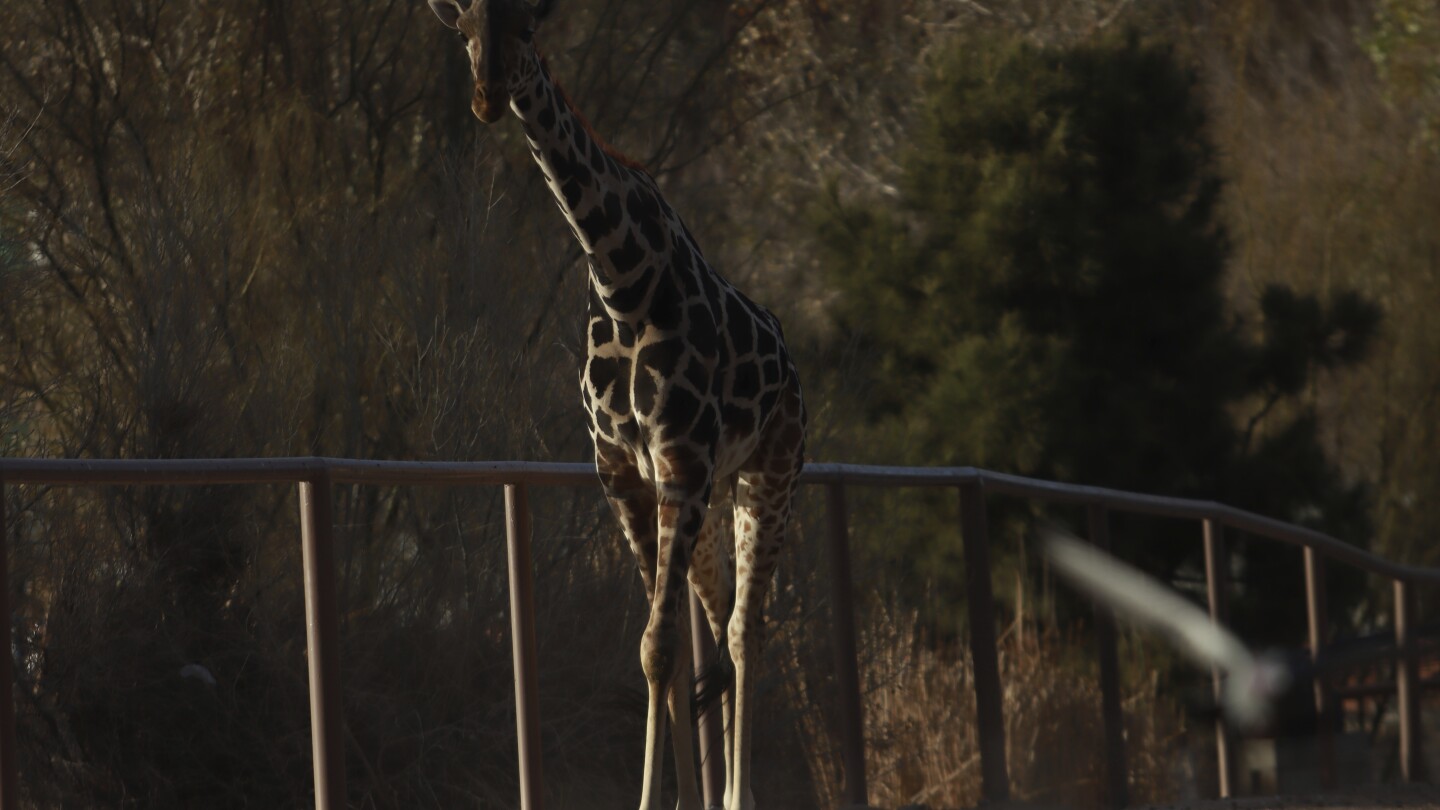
(1047,299)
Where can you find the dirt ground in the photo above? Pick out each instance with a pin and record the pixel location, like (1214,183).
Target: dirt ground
(1412,797)
(1366,799)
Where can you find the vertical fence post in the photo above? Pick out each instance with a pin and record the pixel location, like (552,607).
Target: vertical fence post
(847,670)
(9,768)
(1116,770)
(322,634)
(980,598)
(1217,582)
(522,644)
(1319,629)
(710,721)
(1407,684)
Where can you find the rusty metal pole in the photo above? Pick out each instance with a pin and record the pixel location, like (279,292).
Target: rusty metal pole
(522,645)
(1112,716)
(847,669)
(1217,584)
(9,768)
(989,712)
(322,633)
(1319,629)
(711,721)
(1407,684)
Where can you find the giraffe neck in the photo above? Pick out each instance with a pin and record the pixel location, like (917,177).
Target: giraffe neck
(613,207)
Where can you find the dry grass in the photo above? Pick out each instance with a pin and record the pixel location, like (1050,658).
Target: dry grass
(923,742)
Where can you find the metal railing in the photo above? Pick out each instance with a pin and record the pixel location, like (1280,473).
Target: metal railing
(316,477)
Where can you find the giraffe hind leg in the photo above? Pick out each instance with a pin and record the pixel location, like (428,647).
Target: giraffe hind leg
(712,576)
(763,501)
(759,532)
(682,737)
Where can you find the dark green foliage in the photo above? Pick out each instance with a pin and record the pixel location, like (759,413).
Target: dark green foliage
(1047,298)
(1301,335)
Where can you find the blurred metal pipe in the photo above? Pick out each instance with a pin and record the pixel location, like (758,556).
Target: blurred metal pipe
(1112,715)
(847,668)
(980,599)
(322,634)
(1407,685)
(1318,627)
(522,645)
(9,768)
(1217,588)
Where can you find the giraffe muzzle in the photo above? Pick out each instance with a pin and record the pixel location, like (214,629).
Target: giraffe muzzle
(484,109)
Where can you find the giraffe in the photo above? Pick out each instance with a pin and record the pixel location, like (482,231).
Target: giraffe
(695,407)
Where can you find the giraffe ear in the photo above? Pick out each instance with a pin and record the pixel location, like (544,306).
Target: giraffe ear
(541,9)
(447,10)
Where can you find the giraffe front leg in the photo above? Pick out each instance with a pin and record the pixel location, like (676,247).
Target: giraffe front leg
(635,504)
(659,660)
(633,500)
(661,655)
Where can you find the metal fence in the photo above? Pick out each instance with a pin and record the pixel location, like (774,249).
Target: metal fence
(315,478)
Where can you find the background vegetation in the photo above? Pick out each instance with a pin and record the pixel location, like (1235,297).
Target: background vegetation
(1182,246)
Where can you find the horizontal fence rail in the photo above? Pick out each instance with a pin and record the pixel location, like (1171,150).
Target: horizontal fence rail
(539,473)
(316,476)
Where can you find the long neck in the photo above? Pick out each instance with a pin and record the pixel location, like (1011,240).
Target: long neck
(614,208)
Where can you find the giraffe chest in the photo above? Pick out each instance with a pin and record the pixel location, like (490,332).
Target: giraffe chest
(647,392)
(699,394)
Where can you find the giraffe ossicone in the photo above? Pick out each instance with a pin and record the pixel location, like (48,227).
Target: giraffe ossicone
(695,406)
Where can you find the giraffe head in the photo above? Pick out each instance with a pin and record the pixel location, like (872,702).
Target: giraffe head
(494,31)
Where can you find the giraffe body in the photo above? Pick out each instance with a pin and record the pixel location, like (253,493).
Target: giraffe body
(695,407)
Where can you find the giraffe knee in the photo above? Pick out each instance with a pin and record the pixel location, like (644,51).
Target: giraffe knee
(658,659)
(742,636)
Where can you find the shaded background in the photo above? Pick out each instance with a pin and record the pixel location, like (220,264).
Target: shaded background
(1184,247)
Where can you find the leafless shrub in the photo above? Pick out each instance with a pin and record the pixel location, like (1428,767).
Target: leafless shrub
(272,229)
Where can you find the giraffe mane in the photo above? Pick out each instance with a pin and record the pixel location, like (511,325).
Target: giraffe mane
(618,156)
